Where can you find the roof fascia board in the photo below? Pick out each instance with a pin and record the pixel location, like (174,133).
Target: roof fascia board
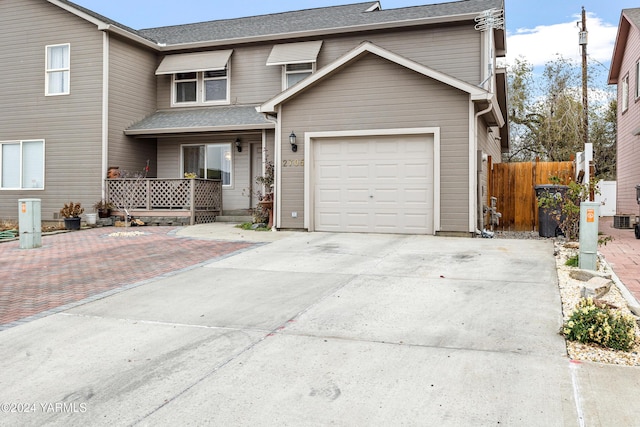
(198,129)
(618,48)
(127,34)
(104,26)
(322,32)
(477,93)
(77,12)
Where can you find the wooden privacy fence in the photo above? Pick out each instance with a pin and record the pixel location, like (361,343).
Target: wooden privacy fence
(513,184)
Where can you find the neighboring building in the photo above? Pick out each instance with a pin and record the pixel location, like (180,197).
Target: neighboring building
(395,112)
(625,72)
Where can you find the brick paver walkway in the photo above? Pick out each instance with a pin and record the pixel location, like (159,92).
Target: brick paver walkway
(72,268)
(623,254)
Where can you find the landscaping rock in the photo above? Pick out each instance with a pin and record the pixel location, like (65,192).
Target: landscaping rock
(586,275)
(595,287)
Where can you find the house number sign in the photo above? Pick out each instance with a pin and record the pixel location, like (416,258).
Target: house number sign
(292,163)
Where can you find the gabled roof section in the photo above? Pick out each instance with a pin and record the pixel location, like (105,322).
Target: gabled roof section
(628,18)
(317,22)
(477,93)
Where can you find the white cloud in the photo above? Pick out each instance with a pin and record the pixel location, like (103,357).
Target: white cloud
(543,43)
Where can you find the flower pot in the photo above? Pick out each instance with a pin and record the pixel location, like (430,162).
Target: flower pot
(72,223)
(104,213)
(91,218)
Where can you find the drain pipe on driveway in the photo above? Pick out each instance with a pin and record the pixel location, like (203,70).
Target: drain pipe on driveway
(479,168)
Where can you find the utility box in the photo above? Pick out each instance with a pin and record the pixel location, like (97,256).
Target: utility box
(30,223)
(589,214)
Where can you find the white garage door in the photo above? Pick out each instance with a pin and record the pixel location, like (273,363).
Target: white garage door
(374,184)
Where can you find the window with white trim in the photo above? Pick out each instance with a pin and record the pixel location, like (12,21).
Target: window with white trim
(210,161)
(625,93)
(57,69)
(22,165)
(206,87)
(293,73)
(637,82)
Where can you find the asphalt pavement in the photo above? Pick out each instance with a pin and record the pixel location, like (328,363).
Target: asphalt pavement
(318,329)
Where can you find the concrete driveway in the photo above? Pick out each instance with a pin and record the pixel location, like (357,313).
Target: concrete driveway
(321,329)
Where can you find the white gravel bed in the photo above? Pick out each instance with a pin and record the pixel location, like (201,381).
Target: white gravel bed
(570,295)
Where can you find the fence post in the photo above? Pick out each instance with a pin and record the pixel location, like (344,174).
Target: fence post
(192,202)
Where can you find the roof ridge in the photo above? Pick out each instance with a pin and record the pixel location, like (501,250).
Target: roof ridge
(297,11)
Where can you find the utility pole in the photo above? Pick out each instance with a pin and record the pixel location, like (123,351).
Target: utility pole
(585,99)
(588,149)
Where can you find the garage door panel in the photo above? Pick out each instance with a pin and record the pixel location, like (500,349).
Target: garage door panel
(357,171)
(356,195)
(385,184)
(326,172)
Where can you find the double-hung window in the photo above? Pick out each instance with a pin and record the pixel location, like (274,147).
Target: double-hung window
(198,78)
(637,81)
(298,60)
(58,69)
(186,87)
(625,93)
(201,87)
(210,161)
(22,165)
(293,73)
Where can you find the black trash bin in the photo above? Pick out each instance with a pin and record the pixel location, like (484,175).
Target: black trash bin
(549,218)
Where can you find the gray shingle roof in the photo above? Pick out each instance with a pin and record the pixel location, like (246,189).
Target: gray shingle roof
(201,119)
(104,19)
(633,15)
(326,18)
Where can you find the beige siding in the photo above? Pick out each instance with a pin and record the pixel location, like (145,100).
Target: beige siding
(454,51)
(374,93)
(628,153)
(237,196)
(70,124)
(132,96)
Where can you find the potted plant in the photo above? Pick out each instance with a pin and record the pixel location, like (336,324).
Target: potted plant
(71,213)
(103,207)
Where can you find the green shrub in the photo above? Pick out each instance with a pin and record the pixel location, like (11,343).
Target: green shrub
(595,323)
(572,262)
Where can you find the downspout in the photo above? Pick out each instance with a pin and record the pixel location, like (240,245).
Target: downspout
(105,111)
(479,168)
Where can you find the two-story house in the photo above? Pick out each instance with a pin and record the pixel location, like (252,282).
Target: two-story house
(376,120)
(625,72)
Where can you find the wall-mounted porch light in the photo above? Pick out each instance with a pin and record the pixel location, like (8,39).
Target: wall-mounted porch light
(292,141)
(238,145)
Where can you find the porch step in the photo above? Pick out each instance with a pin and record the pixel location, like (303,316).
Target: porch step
(234,218)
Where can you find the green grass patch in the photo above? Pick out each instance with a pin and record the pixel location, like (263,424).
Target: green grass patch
(572,262)
(249,226)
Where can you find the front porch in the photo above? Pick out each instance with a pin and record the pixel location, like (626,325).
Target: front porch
(189,201)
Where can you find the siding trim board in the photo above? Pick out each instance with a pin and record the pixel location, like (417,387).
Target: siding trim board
(310,138)
(476,93)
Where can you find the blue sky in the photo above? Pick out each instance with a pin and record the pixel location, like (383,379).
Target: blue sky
(537,29)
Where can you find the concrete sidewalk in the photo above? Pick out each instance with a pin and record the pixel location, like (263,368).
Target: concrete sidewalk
(320,329)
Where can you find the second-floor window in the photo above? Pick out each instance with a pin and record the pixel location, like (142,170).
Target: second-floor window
(293,73)
(58,69)
(198,78)
(625,93)
(201,87)
(298,60)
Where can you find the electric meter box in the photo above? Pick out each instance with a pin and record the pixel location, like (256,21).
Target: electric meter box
(589,214)
(30,223)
